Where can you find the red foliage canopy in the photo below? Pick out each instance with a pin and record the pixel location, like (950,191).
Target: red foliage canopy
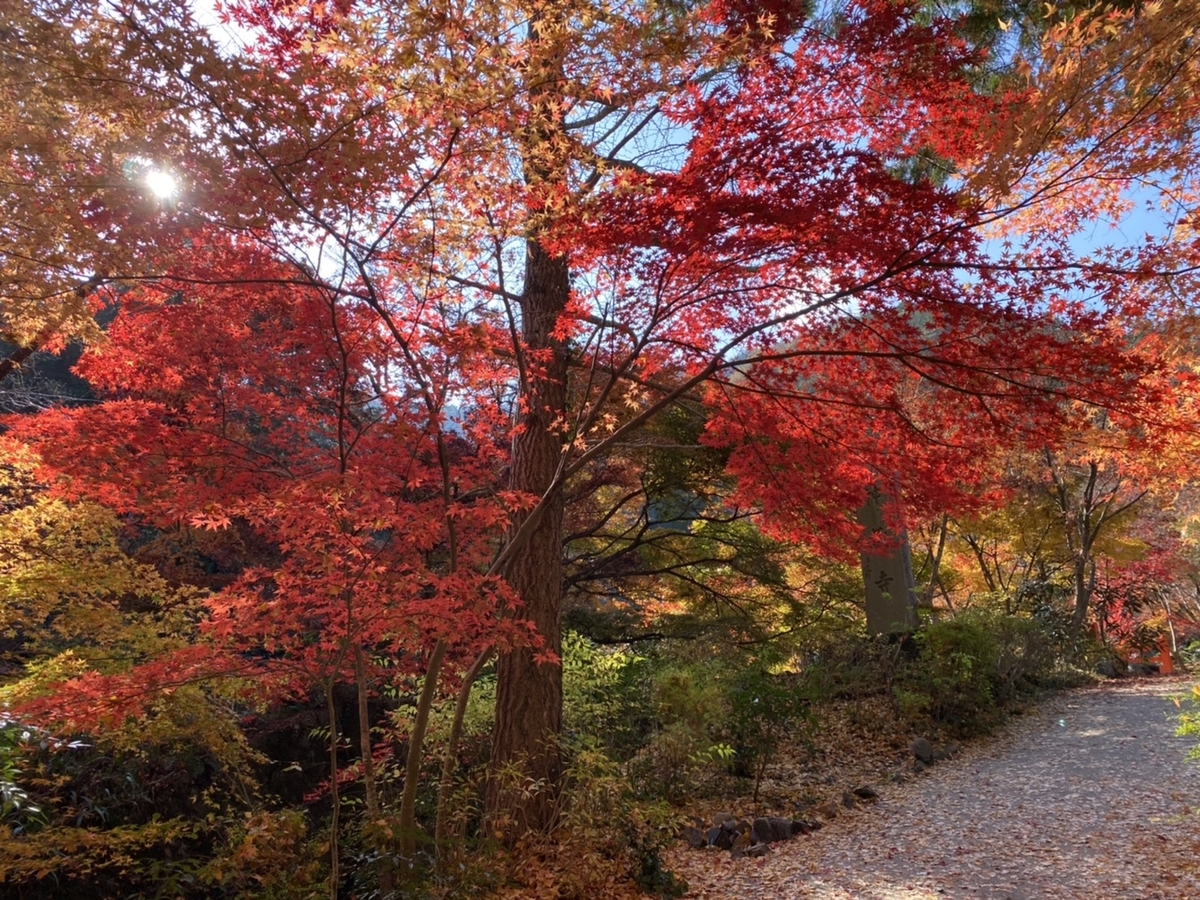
(336,358)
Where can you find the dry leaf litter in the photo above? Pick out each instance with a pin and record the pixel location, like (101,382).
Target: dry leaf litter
(1088,796)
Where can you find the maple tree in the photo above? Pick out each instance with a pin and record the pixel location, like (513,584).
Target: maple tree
(1072,515)
(251,407)
(432,265)
(1090,498)
(77,146)
(1104,145)
(1088,526)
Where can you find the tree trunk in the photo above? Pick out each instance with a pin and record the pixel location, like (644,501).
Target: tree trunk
(364,732)
(935,566)
(529,693)
(1170,622)
(1085,582)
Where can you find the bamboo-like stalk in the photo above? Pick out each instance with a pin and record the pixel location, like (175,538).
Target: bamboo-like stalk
(333,793)
(450,760)
(370,783)
(416,745)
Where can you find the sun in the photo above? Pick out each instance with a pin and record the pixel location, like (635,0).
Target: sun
(162,184)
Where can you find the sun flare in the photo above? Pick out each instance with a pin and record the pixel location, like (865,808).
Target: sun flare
(162,184)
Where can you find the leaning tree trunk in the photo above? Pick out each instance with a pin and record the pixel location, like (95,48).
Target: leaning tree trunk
(528,692)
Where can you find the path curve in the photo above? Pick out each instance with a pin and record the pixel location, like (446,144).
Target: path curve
(1089,797)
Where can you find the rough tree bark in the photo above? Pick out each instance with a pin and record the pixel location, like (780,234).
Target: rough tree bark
(528,692)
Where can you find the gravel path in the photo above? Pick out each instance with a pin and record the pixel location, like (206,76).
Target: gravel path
(1090,797)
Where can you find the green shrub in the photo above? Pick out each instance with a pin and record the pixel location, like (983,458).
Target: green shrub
(601,814)
(678,759)
(956,674)
(764,709)
(1028,655)
(1189,721)
(969,667)
(606,696)
(848,667)
(133,810)
(723,710)
(15,806)
(1190,653)
(953,679)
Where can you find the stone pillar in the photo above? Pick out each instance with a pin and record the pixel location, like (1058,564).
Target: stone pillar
(890,586)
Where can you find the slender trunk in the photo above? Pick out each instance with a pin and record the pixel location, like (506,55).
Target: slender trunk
(416,749)
(936,564)
(984,569)
(759,771)
(1170,623)
(441,830)
(334,797)
(374,812)
(950,602)
(1192,603)
(1085,582)
(364,734)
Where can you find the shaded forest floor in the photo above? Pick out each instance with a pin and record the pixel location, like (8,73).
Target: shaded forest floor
(1088,795)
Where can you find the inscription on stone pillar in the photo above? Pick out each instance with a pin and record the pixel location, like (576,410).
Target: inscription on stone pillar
(890,587)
